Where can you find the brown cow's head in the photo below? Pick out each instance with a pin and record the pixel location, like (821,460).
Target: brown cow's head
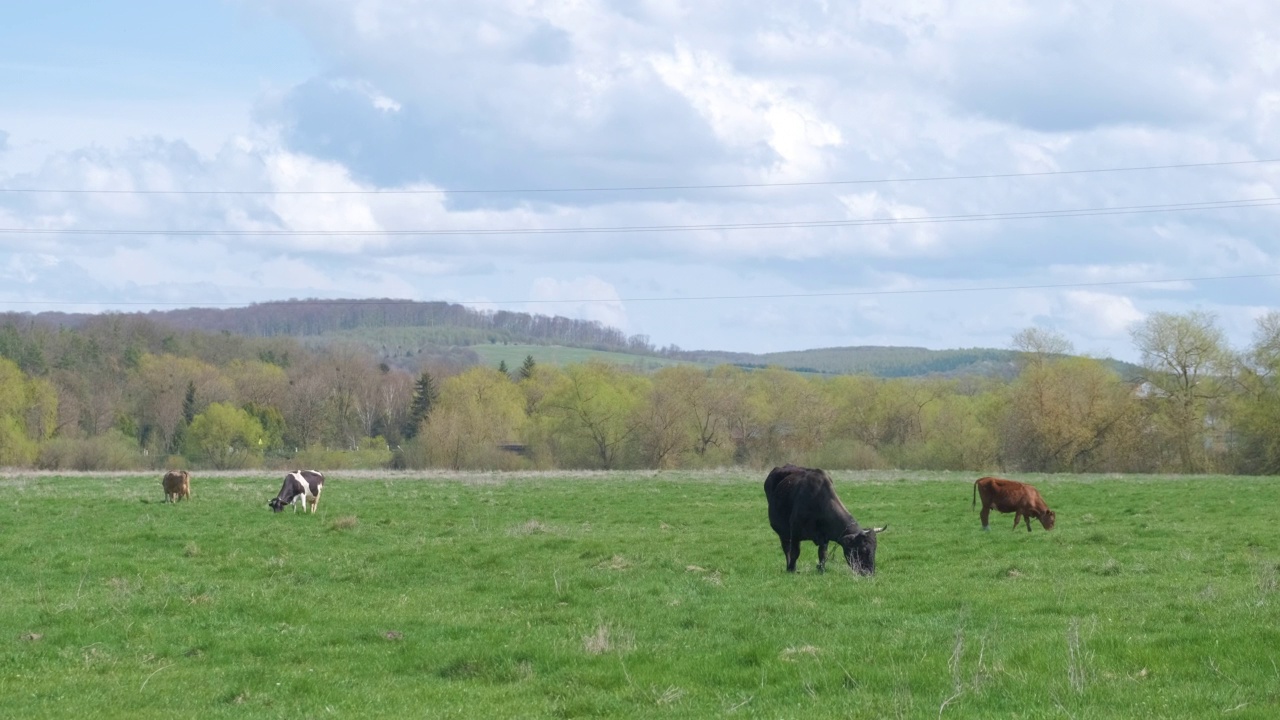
(1047,519)
(860,550)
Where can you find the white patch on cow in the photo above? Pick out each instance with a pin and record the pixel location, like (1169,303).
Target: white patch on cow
(299,498)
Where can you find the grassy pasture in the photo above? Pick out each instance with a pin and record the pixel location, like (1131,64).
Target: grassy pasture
(632,595)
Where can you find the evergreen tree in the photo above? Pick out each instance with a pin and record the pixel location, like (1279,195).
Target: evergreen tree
(526,370)
(179,439)
(189,403)
(425,393)
(502,367)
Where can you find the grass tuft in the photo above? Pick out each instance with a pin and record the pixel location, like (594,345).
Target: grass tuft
(532,527)
(597,643)
(346,522)
(792,653)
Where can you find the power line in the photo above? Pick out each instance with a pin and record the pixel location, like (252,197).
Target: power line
(778,225)
(638,188)
(683,298)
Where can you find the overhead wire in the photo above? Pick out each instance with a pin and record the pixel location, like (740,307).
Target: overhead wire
(636,188)
(772,225)
(681,298)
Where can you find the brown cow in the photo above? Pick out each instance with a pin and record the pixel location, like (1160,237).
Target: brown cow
(1012,496)
(177,485)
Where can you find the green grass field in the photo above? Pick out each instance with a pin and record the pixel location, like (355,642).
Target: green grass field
(632,595)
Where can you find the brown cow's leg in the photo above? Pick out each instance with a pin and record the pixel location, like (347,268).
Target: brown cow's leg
(1017,518)
(986,513)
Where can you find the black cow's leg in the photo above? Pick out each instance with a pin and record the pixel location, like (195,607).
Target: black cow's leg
(822,557)
(793,554)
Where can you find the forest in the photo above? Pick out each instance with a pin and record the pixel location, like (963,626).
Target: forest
(143,391)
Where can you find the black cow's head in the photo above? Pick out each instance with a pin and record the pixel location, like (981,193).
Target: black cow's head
(276,504)
(860,550)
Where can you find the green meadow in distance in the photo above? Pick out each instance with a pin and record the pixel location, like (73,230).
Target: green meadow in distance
(632,594)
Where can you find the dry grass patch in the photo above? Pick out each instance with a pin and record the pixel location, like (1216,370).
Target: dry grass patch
(793,653)
(617,562)
(531,527)
(346,522)
(604,640)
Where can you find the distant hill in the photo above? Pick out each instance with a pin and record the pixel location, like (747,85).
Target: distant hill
(876,360)
(409,334)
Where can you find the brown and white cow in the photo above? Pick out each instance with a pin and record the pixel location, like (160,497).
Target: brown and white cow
(177,485)
(300,487)
(1011,496)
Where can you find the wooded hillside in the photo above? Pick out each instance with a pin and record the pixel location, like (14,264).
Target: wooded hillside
(408,334)
(125,391)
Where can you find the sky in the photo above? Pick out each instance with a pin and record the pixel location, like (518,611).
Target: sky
(713,175)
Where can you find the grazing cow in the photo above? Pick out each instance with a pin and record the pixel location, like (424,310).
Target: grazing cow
(1012,496)
(177,485)
(300,487)
(803,506)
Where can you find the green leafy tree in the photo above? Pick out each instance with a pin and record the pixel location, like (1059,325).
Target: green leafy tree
(225,436)
(1062,412)
(1257,405)
(475,414)
(1187,360)
(591,413)
(272,422)
(18,446)
(706,399)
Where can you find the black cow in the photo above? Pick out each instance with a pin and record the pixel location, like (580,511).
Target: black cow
(300,486)
(803,506)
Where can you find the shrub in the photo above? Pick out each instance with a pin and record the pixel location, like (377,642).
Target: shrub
(110,451)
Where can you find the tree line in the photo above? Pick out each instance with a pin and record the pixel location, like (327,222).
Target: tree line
(293,318)
(121,392)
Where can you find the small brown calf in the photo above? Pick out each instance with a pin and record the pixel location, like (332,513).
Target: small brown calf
(1011,496)
(177,485)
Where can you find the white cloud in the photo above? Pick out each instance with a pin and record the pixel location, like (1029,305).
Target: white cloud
(746,112)
(1100,314)
(588,298)
(419,95)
